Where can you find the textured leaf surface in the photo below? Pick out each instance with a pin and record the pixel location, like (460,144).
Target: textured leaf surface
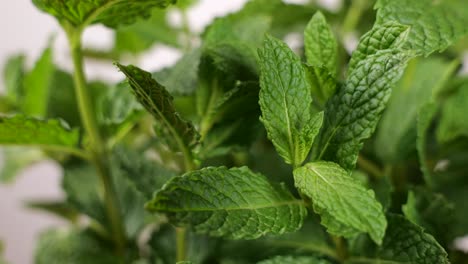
(434,24)
(233,203)
(21,130)
(320,44)
(352,113)
(37,84)
(155,98)
(73,247)
(117,104)
(380,37)
(109,12)
(293,260)
(345,206)
(286,102)
(453,121)
(420,83)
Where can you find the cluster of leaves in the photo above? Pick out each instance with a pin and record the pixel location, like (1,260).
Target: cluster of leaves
(246,151)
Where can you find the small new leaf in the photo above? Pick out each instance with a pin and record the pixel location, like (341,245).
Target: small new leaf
(320,44)
(108,12)
(345,206)
(233,203)
(286,102)
(21,130)
(157,101)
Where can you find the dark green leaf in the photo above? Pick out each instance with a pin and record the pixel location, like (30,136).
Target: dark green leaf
(294,260)
(345,206)
(234,203)
(453,121)
(286,102)
(58,208)
(425,116)
(108,12)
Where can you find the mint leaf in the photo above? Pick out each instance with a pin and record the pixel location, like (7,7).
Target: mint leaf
(425,209)
(233,203)
(434,25)
(322,83)
(453,122)
(154,97)
(108,12)
(57,208)
(352,113)
(345,206)
(36,86)
(53,134)
(321,47)
(73,247)
(420,83)
(286,102)
(13,73)
(380,37)
(294,260)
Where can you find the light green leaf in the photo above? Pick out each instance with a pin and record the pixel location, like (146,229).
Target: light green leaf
(321,47)
(154,97)
(380,37)
(294,260)
(233,203)
(13,73)
(420,83)
(286,102)
(352,113)
(322,83)
(345,206)
(405,243)
(52,134)
(111,13)
(117,104)
(425,116)
(453,121)
(36,86)
(434,25)
(433,212)
(72,247)
(16,159)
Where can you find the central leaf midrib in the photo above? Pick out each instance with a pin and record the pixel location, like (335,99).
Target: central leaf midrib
(213,209)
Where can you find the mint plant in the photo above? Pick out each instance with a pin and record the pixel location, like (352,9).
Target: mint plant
(245,150)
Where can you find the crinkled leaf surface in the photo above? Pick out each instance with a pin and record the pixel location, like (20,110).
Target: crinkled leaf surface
(345,206)
(321,47)
(21,130)
(154,97)
(233,203)
(286,102)
(108,12)
(420,83)
(294,260)
(434,24)
(352,113)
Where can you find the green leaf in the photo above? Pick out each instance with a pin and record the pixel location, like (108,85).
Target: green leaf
(345,206)
(182,78)
(294,260)
(36,86)
(380,37)
(72,247)
(434,25)
(322,83)
(111,13)
(425,116)
(143,34)
(453,122)
(25,131)
(321,47)
(433,212)
(420,83)
(155,98)
(15,159)
(13,73)
(233,203)
(352,113)
(58,208)
(286,102)
(406,242)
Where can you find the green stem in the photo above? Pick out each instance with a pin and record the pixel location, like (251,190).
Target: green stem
(340,245)
(353,15)
(97,147)
(370,167)
(180,241)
